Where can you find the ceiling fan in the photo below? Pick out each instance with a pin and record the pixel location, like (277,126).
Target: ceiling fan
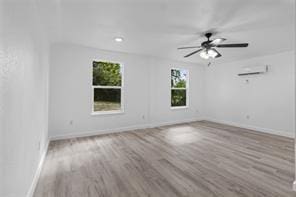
(207,49)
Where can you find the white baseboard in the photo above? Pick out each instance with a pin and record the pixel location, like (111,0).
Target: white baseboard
(99,132)
(117,130)
(160,124)
(251,127)
(38,171)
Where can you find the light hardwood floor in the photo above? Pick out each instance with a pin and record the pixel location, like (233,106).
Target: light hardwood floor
(197,159)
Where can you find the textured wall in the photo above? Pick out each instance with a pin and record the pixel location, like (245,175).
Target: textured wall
(23,97)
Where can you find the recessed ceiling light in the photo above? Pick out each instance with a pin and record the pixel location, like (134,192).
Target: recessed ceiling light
(118,39)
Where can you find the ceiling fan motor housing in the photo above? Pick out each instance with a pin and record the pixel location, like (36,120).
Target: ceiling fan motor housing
(206,44)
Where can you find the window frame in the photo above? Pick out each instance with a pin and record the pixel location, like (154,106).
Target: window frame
(186,89)
(93,87)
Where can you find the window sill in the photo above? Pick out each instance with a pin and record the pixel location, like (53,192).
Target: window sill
(181,107)
(107,113)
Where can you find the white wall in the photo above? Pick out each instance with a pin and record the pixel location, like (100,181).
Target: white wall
(146,92)
(267,99)
(23,98)
(294,184)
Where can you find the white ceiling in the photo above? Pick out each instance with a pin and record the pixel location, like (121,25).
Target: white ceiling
(157,28)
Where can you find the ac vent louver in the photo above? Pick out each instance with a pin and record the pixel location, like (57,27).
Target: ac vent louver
(254,70)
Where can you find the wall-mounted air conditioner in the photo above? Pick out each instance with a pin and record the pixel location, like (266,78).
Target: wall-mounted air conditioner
(253,70)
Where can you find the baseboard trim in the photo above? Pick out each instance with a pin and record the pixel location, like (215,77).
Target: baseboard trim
(121,129)
(255,128)
(38,171)
(160,124)
(94,133)
(152,125)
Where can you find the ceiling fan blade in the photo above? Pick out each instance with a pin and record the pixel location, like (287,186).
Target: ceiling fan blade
(232,45)
(189,47)
(217,41)
(193,52)
(218,54)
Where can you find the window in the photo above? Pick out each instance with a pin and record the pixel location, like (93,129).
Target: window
(179,88)
(107,87)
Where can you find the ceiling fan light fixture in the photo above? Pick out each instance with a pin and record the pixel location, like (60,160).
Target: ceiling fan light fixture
(204,54)
(212,53)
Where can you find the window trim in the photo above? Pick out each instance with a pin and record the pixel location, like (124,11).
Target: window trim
(187,90)
(121,110)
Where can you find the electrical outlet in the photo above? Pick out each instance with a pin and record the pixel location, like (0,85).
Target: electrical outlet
(143,117)
(248,117)
(71,122)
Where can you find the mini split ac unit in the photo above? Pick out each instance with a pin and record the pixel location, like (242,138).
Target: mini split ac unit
(253,70)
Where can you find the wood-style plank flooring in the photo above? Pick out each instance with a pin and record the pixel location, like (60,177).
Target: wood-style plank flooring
(198,159)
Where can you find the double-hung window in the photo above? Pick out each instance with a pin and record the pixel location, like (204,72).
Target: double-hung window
(179,88)
(107,87)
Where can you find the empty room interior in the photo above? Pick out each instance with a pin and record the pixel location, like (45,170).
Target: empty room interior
(147,98)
